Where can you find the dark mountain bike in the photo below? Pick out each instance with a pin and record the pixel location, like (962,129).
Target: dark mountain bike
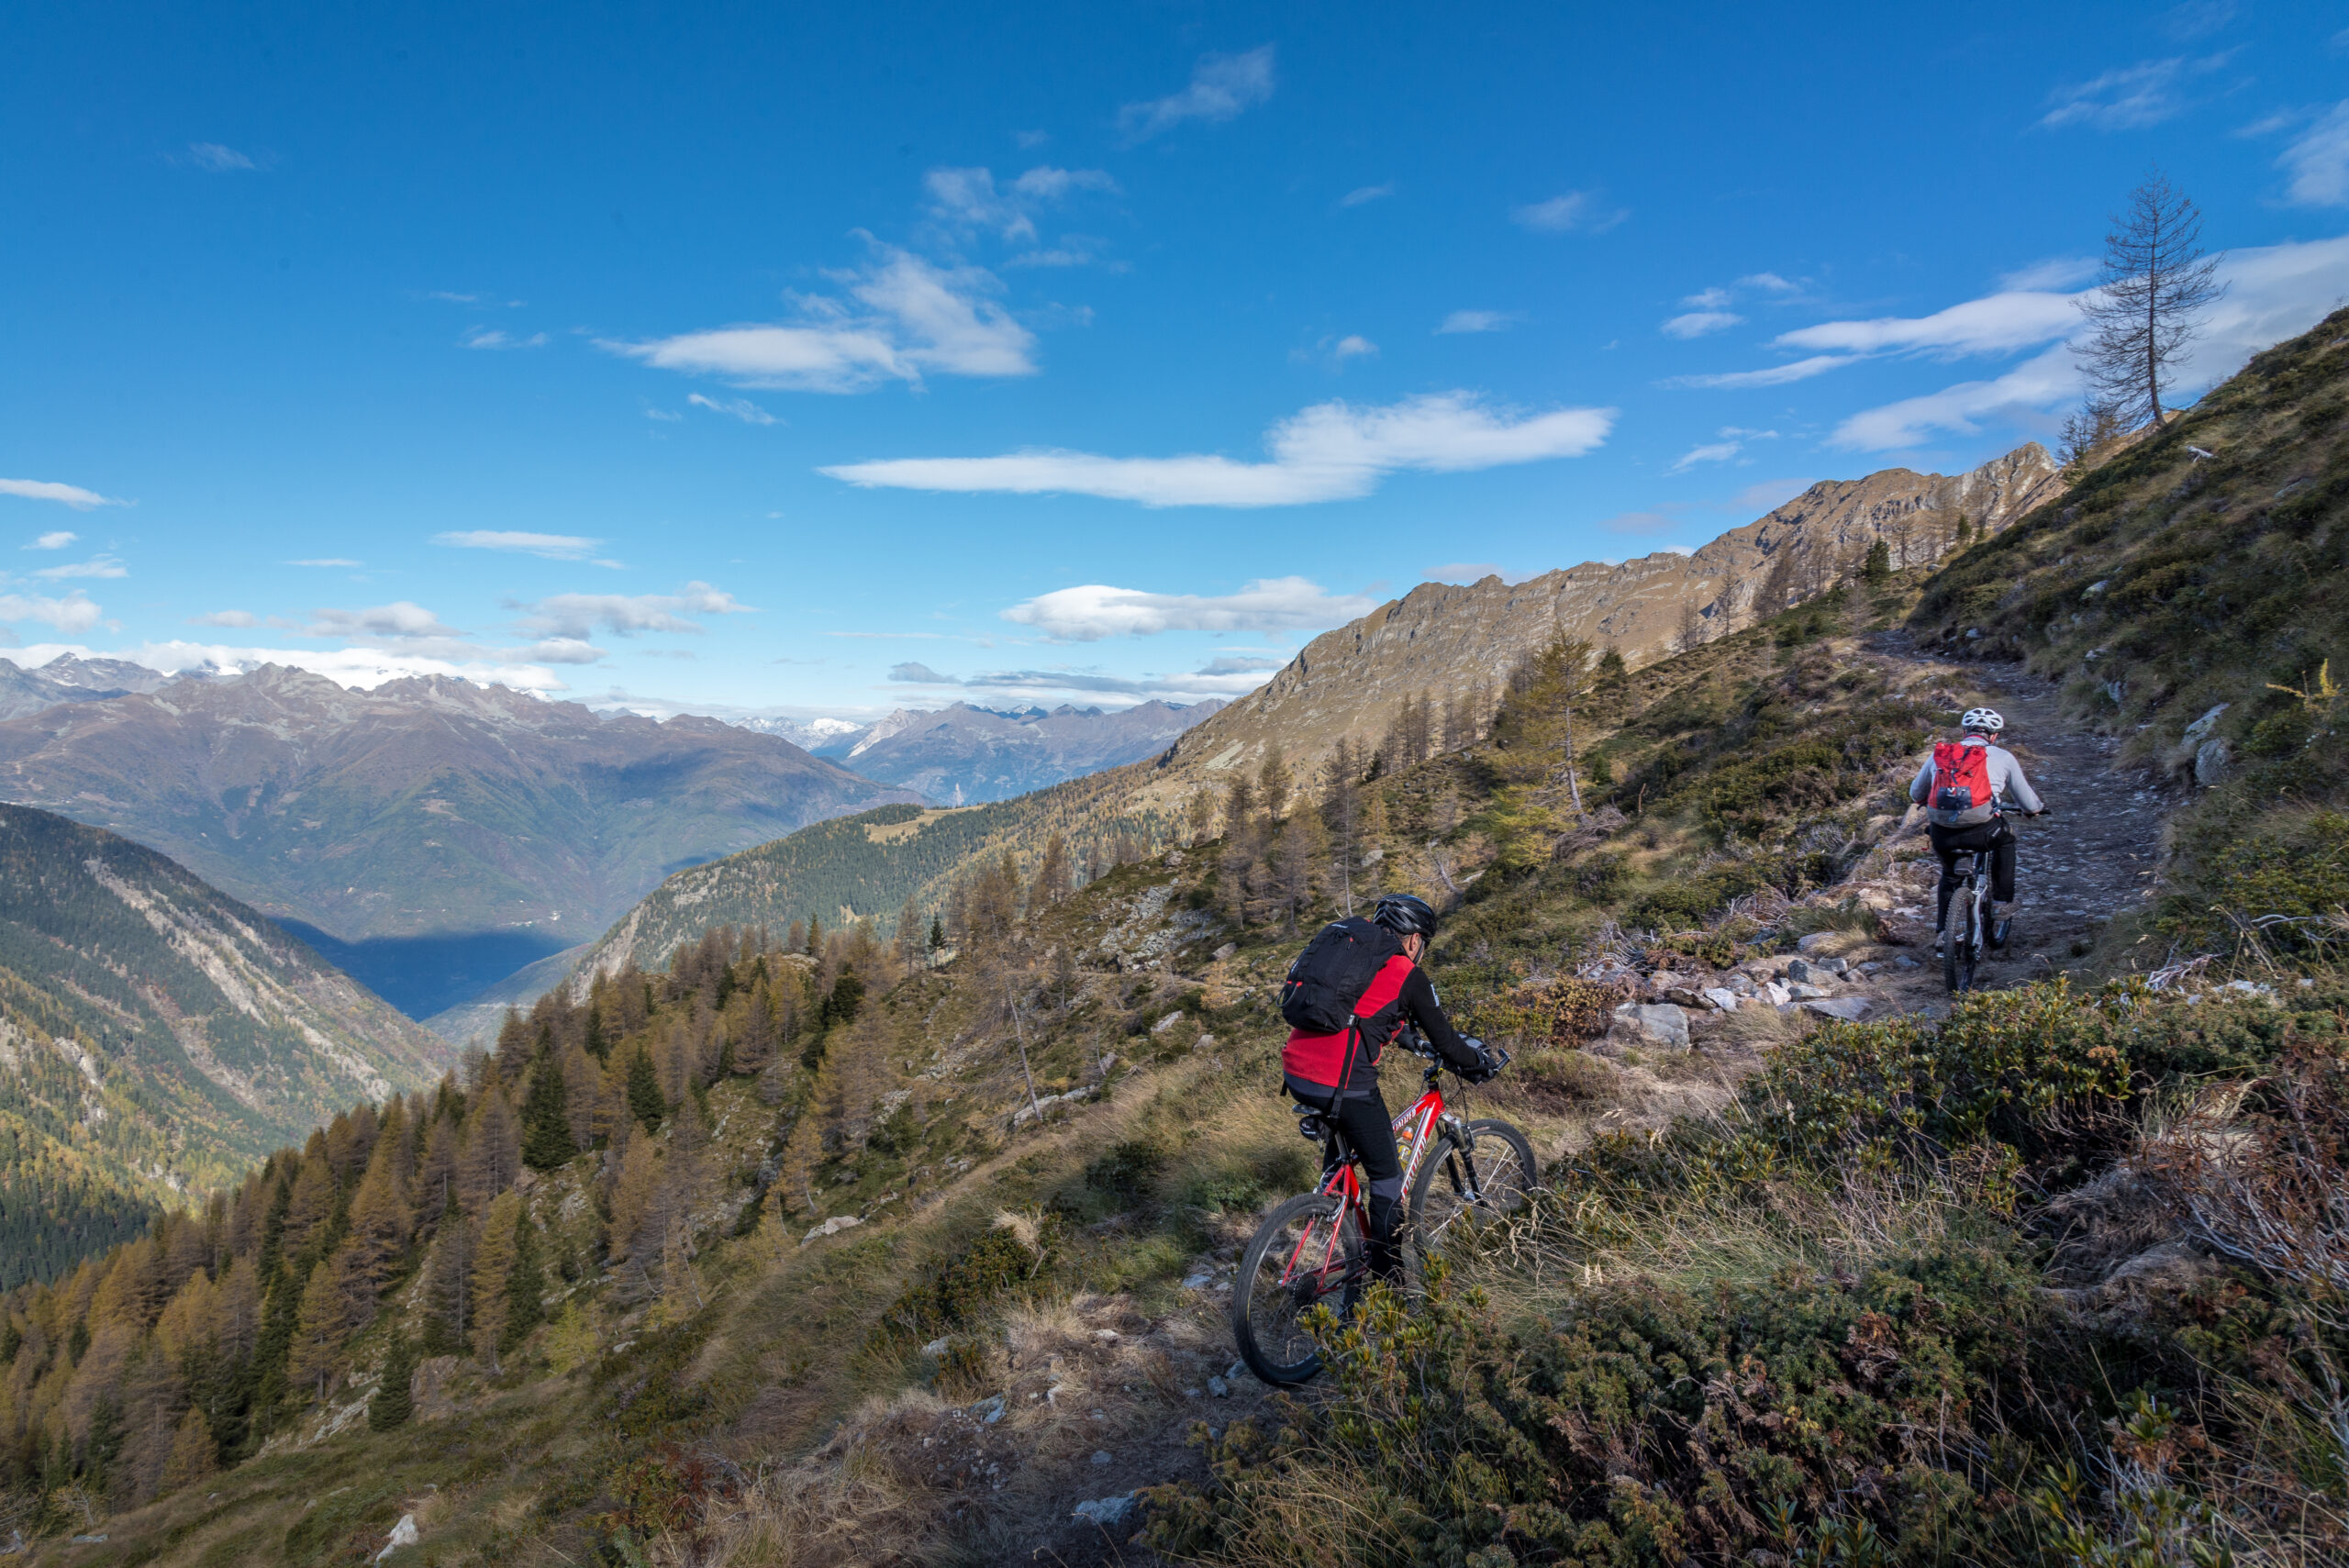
(1460,1177)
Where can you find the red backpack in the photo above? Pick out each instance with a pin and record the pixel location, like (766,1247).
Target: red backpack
(1961,777)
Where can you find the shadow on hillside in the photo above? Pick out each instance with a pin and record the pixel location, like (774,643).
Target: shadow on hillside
(424,975)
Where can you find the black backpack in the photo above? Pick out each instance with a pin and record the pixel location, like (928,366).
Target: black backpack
(1331,975)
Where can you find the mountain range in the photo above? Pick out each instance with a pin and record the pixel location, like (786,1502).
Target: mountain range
(157,1038)
(962,755)
(1441,644)
(429,836)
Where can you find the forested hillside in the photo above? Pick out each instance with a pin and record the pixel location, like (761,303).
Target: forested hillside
(856,1255)
(156,1040)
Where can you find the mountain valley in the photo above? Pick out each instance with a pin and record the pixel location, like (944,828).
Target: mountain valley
(429,836)
(842,1251)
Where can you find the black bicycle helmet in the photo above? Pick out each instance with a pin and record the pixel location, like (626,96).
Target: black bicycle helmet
(1405,915)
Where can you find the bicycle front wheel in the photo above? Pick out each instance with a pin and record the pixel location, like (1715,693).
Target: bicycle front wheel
(1308,1252)
(1960,943)
(1468,1187)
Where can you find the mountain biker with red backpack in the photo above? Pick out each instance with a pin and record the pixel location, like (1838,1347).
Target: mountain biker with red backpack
(1962,787)
(1355,986)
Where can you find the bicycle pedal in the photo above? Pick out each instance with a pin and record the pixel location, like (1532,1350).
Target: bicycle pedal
(1998,930)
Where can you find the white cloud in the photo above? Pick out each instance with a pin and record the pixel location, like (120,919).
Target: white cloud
(1697,323)
(73,496)
(486,338)
(1329,451)
(1480,321)
(1223,87)
(1998,324)
(239,619)
(1775,375)
(1717,452)
(1353,346)
(2130,98)
(1573,212)
(967,198)
(741,408)
(552,547)
(2274,292)
(1363,195)
(916,317)
(1031,140)
(215,159)
(574,617)
(1732,441)
(1710,299)
(97,566)
(2318,160)
(2056,273)
(1095,610)
(74,613)
(401,621)
(1770,281)
(57,540)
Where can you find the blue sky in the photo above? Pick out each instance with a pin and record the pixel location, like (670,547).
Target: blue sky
(826,359)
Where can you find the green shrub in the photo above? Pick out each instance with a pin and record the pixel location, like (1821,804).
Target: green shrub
(1654,1426)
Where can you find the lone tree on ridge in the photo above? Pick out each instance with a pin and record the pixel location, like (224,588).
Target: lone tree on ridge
(2156,282)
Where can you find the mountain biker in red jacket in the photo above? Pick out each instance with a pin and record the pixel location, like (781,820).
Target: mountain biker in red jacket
(1312,1065)
(1984,827)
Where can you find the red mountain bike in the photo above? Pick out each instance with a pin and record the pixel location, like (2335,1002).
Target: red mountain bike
(1459,1176)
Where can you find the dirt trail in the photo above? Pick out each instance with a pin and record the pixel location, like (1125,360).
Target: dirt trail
(2094,856)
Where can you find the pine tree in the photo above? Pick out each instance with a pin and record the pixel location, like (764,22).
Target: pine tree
(546,1123)
(645,1101)
(526,1285)
(395,1399)
(596,1045)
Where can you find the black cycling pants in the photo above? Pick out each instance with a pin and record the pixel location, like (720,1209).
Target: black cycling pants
(1950,843)
(1370,1132)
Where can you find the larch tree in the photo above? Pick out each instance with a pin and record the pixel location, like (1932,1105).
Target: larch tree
(492,1262)
(194,1455)
(318,1330)
(2146,307)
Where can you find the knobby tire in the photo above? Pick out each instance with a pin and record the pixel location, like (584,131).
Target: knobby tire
(1959,942)
(1497,1162)
(1267,1311)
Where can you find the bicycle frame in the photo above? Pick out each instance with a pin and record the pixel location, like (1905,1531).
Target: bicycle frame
(1414,1135)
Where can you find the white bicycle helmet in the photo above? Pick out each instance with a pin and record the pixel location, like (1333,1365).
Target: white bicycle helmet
(1986,719)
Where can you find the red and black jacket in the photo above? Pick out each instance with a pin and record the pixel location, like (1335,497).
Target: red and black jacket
(1400,994)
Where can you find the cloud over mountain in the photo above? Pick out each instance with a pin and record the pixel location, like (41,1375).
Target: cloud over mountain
(1330,451)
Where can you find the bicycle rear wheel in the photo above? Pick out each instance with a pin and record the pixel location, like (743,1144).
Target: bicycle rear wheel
(1466,1188)
(1960,942)
(1310,1249)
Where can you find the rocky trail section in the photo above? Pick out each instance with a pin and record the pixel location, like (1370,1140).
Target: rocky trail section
(2096,856)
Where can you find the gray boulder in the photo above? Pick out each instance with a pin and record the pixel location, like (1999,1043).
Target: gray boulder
(1651,1026)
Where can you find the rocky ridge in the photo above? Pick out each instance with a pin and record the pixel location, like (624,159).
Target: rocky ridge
(1446,642)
